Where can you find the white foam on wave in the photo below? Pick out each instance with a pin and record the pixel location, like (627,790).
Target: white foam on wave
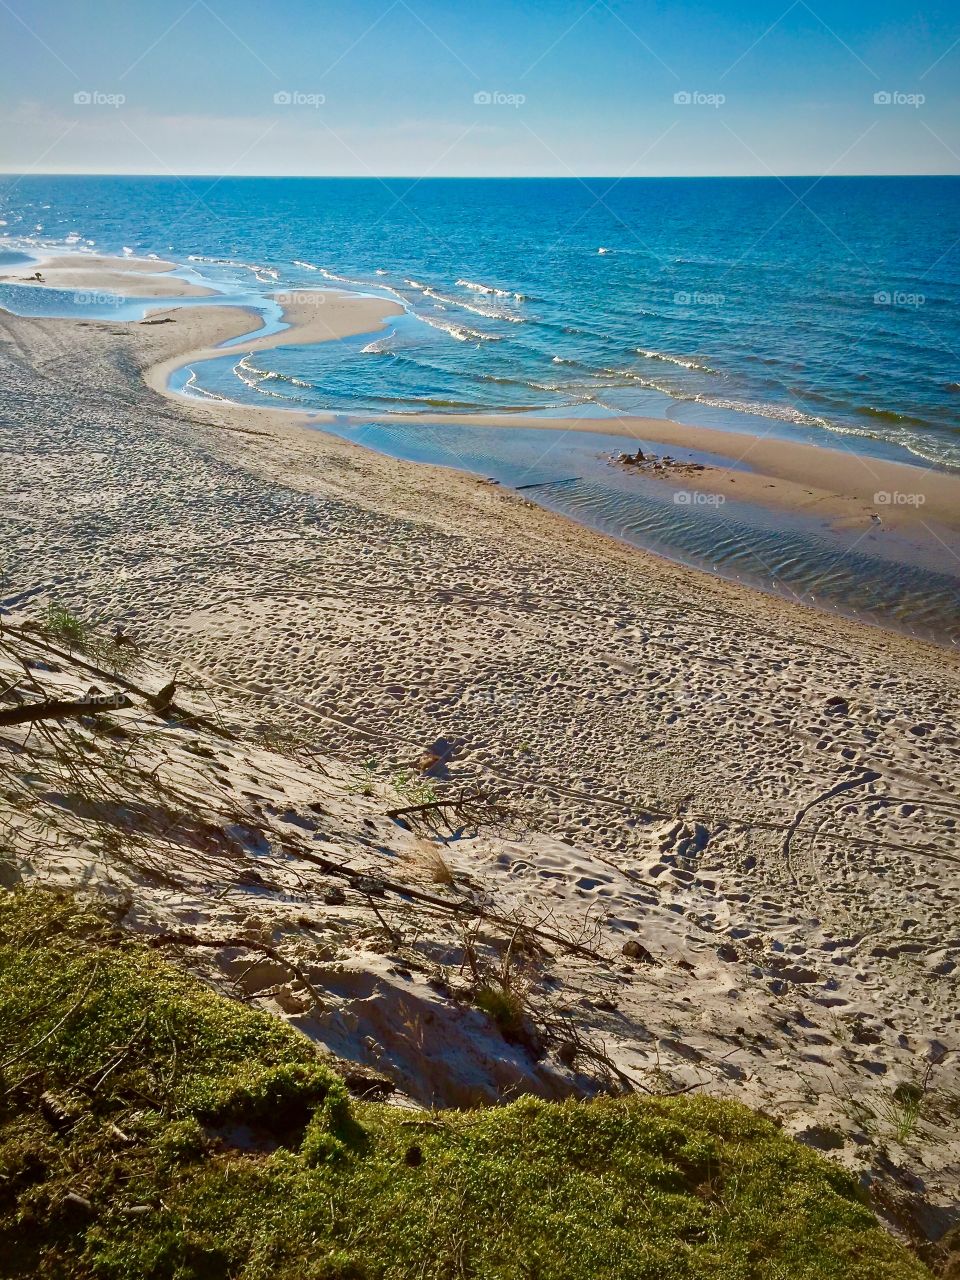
(193,388)
(489,288)
(308,266)
(266,275)
(683,362)
(332,275)
(379,346)
(459,331)
(251,376)
(443,301)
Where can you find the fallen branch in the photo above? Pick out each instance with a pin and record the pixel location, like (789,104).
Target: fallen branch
(62,709)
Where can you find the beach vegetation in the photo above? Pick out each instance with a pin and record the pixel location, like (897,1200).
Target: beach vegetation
(63,627)
(414,790)
(153,1129)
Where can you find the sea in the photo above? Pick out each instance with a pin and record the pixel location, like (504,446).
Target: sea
(824,310)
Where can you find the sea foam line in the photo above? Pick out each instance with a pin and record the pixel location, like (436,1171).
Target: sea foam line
(489,288)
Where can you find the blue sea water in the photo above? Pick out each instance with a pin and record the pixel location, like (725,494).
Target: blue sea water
(823,310)
(833,304)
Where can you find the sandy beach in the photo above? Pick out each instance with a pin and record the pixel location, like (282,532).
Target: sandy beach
(125,277)
(762,797)
(311,316)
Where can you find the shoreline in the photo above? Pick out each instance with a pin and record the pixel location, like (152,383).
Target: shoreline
(836,483)
(850,491)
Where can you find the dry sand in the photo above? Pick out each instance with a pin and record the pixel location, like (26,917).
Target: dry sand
(765,799)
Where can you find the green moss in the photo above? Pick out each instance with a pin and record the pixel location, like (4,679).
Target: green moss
(211,1142)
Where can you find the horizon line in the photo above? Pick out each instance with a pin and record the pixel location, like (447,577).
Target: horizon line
(485,177)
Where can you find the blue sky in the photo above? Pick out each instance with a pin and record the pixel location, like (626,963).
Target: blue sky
(391,87)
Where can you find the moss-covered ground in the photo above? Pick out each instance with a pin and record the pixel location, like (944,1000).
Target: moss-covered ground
(153,1128)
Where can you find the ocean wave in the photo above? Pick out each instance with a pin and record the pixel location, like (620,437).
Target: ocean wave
(265,375)
(357,284)
(265,275)
(458,331)
(486,312)
(307,266)
(444,300)
(379,346)
(683,362)
(192,387)
(489,288)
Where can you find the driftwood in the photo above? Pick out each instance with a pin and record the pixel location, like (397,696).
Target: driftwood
(461,907)
(456,811)
(62,709)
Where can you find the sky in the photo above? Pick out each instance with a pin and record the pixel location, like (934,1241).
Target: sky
(495,87)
